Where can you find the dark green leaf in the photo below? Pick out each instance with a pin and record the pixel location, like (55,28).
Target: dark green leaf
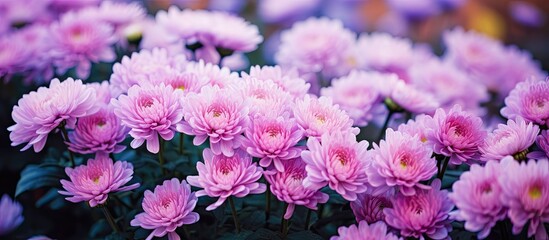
(304,235)
(37,176)
(264,234)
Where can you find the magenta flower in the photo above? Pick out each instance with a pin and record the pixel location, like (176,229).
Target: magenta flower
(223,177)
(41,112)
(357,94)
(318,116)
(374,231)
(368,207)
(525,191)
(220,114)
(211,29)
(149,111)
(543,143)
(316,45)
(413,100)
(140,66)
(513,138)
(477,196)
(273,139)
(530,100)
(455,134)
(11,216)
(339,161)
(288,187)
(93,182)
(401,162)
(423,214)
(100,133)
(170,206)
(79,41)
(288,80)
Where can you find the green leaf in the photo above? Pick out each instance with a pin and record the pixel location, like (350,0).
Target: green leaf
(37,176)
(265,234)
(304,235)
(51,198)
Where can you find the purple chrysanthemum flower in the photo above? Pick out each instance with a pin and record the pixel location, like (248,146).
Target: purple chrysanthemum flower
(13,56)
(385,53)
(357,94)
(477,196)
(316,45)
(10,216)
(339,161)
(412,99)
(318,116)
(220,114)
(423,214)
(368,207)
(221,176)
(374,231)
(401,162)
(170,206)
(518,66)
(149,111)
(288,187)
(211,29)
(140,66)
(525,191)
(513,138)
(78,42)
(455,134)
(530,100)
(98,133)
(273,139)
(93,182)
(543,143)
(288,80)
(41,112)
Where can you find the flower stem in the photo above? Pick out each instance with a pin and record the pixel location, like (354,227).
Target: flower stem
(268,205)
(161,154)
(109,218)
(308,219)
(235,216)
(443,169)
(385,125)
(284,224)
(65,136)
(181,137)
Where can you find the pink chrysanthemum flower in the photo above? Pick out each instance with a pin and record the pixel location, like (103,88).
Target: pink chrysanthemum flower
(385,53)
(401,162)
(288,187)
(413,100)
(223,177)
(316,45)
(513,138)
(525,191)
(117,14)
(140,66)
(13,56)
(530,100)
(212,74)
(41,112)
(93,182)
(339,161)
(288,80)
(374,231)
(543,143)
(477,196)
(273,139)
(455,134)
(416,127)
(170,206)
(518,66)
(220,114)
(78,41)
(422,215)
(188,82)
(103,92)
(98,133)
(368,207)
(149,111)
(357,94)
(318,116)
(264,97)
(211,29)
(11,216)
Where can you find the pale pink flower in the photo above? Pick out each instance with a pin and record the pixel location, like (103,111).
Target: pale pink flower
(170,206)
(93,182)
(374,231)
(513,138)
(288,80)
(339,161)
(222,177)
(212,74)
(530,100)
(413,100)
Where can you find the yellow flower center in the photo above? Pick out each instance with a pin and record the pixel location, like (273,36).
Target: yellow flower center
(535,192)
